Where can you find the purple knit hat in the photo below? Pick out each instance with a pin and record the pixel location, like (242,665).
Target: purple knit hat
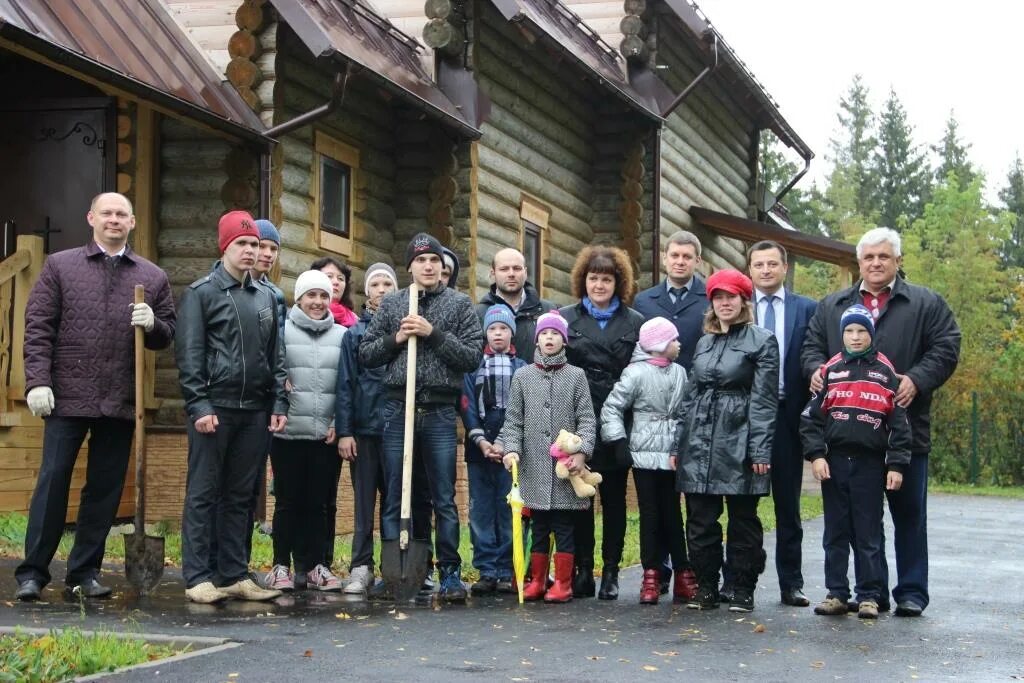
(656,334)
(552,320)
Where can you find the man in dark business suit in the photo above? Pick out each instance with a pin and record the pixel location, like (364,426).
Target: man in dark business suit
(681,297)
(786,315)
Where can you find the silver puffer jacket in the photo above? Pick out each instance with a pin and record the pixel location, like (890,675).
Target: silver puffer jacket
(312,349)
(655,397)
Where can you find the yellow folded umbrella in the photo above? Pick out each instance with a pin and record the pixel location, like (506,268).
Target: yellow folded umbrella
(515,501)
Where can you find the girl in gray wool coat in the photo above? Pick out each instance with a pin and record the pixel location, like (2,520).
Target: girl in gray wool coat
(651,388)
(544,399)
(304,458)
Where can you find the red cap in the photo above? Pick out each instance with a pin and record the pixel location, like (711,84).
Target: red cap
(732,281)
(235,224)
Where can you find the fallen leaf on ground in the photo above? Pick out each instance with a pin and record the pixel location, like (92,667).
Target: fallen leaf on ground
(817,665)
(648,667)
(307,653)
(759,628)
(342,615)
(401,615)
(665,654)
(234,675)
(594,658)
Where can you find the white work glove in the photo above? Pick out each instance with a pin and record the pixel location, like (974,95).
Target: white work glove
(40,401)
(142,316)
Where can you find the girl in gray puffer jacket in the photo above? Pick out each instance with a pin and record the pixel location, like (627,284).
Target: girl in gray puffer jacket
(651,387)
(304,458)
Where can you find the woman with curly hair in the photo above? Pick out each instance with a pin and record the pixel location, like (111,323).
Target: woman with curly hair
(603,330)
(340,276)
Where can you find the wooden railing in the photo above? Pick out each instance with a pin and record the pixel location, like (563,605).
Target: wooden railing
(18,272)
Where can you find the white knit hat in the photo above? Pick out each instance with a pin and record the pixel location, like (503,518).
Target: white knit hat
(311,279)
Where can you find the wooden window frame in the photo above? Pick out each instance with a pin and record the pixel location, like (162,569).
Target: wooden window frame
(343,154)
(534,217)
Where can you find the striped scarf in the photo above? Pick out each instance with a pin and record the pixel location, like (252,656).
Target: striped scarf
(493,381)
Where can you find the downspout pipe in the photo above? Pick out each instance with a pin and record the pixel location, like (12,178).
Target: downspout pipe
(337,98)
(656,241)
(793,182)
(695,82)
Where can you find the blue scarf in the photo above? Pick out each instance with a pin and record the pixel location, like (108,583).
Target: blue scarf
(602,316)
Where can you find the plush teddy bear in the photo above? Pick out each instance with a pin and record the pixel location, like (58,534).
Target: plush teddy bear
(565,446)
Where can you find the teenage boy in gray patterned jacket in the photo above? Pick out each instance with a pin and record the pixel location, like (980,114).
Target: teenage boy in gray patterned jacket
(545,398)
(450,345)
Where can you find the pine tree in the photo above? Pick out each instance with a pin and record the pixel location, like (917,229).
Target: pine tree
(903,177)
(852,150)
(952,153)
(1013,197)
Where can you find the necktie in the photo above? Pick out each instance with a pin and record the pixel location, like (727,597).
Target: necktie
(769,314)
(677,292)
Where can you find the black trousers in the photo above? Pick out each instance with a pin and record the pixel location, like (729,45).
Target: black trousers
(661,519)
(787,478)
(852,497)
(367,482)
(304,476)
(559,522)
(109,449)
(613,522)
(222,470)
(745,545)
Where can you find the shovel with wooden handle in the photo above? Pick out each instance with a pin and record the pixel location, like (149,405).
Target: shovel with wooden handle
(143,555)
(404,562)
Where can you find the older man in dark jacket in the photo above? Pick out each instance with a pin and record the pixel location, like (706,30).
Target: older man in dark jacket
(915,329)
(79,373)
(231,369)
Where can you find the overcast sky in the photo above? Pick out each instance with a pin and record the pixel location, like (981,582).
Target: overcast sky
(937,56)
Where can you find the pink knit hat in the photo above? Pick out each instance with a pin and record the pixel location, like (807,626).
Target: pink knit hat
(552,320)
(656,334)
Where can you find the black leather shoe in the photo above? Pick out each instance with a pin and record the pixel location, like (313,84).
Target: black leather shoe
(609,584)
(29,590)
(795,598)
(583,582)
(90,588)
(908,608)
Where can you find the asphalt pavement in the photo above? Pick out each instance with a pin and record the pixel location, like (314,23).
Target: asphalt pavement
(973,629)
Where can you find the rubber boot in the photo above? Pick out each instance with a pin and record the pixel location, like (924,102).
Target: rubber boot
(535,587)
(609,584)
(561,591)
(685,587)
(583,580)
(650,589)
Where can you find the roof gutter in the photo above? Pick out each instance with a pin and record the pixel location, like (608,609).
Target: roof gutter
(337,98)
(105,74)
(695,82)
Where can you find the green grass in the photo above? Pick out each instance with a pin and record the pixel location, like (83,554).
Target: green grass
(1016,492)
(67,654)
(12,540)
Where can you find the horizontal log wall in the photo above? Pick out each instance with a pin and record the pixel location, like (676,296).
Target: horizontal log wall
(706,150)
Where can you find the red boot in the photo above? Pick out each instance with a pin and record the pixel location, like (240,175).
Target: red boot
(651,587)
(535,587)
(561,590)
(685,587)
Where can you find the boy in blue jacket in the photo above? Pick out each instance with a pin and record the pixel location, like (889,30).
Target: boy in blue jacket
(858,441)
(485,394)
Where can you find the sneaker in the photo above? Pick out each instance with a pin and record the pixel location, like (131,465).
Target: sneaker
(205,593)
(868,609)
(505,585)
(831,607)
(280,579)
(452,588)
(707,598)
(487,585)
(320,578)
(742,601)
(358,580)
(246,589)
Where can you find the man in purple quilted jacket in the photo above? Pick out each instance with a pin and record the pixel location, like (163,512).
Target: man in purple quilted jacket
(79,375)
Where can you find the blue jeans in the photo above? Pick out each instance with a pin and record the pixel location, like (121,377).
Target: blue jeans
(490,518)
(434,443)
(909,510)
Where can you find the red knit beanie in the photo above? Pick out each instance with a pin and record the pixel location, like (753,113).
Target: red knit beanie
(235,224)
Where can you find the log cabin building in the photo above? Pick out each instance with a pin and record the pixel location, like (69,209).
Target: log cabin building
(523,124)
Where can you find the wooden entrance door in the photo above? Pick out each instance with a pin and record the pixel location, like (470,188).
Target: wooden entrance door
(58,155)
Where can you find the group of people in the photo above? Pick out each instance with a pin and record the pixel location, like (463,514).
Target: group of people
(715,389)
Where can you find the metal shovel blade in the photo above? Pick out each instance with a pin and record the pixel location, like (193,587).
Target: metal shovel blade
(404,571)
(143,561)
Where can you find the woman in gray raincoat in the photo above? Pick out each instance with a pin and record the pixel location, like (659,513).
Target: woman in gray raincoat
(724,444)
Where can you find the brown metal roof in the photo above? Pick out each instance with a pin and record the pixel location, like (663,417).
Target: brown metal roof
(796,243)
(751,95)
(133,44)
(578,40)
(350,30)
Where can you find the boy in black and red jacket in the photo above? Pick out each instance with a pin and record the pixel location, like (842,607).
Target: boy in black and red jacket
(858,441)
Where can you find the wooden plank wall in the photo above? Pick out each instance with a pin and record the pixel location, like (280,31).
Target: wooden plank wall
(708,149)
